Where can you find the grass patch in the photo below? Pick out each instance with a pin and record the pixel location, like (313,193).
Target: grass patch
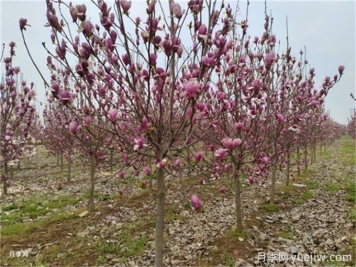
(234,234)
(285,191)
(305,174)
(228,260)
(352,214)
(10,207)
(332,187)
(286,235)
(35,207)
(298,201)
(130,242)
(351,192)
(312,185)
(20,228)
(269,207)
(307,195)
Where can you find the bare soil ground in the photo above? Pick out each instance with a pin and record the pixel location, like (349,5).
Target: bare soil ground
(44,220)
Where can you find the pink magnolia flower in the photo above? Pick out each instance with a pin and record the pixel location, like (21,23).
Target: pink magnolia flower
(87,121)
(176,163)
(121,175)
(191,88)
(125,5)
(140,143)
(177,10)
(8,183)
(23,24)
(269,59)
(196,203)
(144,184)
(147,171)
(121,192)
(230,143)
(221,153)
(162,164)
(198,156)
(73,127)
(223,189)
(113,114)
(265,160)
(341,69)
(281,118)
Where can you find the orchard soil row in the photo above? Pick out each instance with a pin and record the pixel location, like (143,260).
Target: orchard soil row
(44,221)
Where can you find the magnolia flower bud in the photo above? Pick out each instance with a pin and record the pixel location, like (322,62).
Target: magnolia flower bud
(196,203)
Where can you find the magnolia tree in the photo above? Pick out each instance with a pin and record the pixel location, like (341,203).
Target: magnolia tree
(57,137)
(16,115)
(255,113)
(141,74)
(351,126)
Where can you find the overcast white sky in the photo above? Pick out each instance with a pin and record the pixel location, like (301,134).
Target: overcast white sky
(326,28)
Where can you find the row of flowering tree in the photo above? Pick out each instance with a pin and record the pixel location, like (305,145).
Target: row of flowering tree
(17,112)
(138,87)
(351,126)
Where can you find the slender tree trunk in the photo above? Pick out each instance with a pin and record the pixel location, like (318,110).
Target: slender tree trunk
(159,235)
(91,206)
(57,160)
(288,167)
(61,162)
(274,172)
(273,183)
(306,158)
(238,202)
(314,153)
(298,160)
(69,171)
(111,160)
(19,165)
(4,189)
(150,181)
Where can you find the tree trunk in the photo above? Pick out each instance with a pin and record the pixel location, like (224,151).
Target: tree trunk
(150,181)
(111,160)
(69,171)
(288,167)
(19,165)
(91,206)
(274,172)
(306,158)
(298,160)
(4,189)
(159,235)
(273,183)
(57,160)
(314,153)
(238,205)
(61,162)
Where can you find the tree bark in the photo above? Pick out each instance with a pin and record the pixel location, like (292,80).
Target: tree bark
(69,171)
(298,160)
(4,189)
(238,205)
(159,235)
(91,206)
(61,162)
(274,172)
(288,167)
(306,158)
(273,183)
(111,160)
